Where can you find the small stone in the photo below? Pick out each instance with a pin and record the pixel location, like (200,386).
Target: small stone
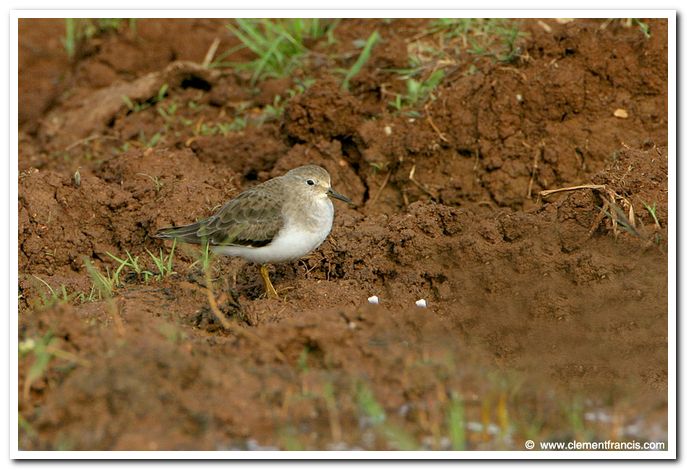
(620,113)
(373,300)
(544,26)
(387,130)
(422,303)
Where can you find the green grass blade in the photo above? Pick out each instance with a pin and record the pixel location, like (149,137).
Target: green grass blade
(278,44)
(456,423)
(262,63)
(70,37)
(362,58)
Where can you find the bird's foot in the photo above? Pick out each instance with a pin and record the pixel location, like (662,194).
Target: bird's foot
(270,291)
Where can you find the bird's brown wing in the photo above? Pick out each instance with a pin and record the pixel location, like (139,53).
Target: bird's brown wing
(253,218)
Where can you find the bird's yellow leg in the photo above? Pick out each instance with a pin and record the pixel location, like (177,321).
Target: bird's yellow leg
(269,288)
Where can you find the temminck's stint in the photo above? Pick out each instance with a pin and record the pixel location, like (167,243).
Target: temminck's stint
(280,220)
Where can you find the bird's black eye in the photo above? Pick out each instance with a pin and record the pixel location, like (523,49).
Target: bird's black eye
(310,182)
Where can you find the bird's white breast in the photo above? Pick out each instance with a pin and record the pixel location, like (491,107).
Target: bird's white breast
(294,240)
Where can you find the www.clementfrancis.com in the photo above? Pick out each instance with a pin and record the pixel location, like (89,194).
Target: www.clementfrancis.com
(596,445)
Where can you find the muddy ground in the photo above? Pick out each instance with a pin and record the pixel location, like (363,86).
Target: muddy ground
(546,315)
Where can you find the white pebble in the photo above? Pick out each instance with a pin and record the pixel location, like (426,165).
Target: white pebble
(373,300)
(387,130)
(422,303)
(518,97)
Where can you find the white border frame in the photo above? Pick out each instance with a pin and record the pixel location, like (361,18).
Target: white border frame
(671,453)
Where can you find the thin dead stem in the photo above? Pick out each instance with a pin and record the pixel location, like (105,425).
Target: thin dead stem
(113,308)
(210,54)
(549,192)
(89,139)
(614,206)
(381,188)
(67,356)
(535,167)
(411,177)
(434,126)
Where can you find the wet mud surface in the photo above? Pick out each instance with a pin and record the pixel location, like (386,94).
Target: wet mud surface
(546,314)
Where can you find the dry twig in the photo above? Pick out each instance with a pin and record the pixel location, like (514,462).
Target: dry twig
(210,54)
(549,192)
(411,177)
(535,167)
(232,327)
(381,188)
(89,139)
(434,126)
(610,208)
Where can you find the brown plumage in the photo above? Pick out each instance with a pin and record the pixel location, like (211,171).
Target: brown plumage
(277,221)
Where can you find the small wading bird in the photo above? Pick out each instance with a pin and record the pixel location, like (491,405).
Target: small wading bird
(280,220)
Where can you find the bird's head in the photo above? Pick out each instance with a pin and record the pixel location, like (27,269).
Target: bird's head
(316,180)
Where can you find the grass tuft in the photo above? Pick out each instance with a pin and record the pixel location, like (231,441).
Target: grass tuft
(368,405)
(373,412)
(80,30)
(279,44)
(39,349)
(136,106)
(43,349)
(53,296)
(132,263)
(629,23)
(156,181)
(164,263)
(103,284)
(418,91)
(651,209)
(490,37)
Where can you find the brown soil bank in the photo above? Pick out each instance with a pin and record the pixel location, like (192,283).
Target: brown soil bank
(546,313)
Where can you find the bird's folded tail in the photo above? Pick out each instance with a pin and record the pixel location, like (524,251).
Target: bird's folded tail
(186,233)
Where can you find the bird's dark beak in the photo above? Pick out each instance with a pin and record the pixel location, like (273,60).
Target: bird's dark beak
(339,196)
